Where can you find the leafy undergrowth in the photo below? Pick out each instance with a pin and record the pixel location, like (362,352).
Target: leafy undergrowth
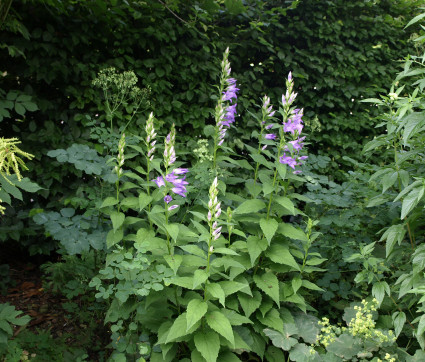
(60,329)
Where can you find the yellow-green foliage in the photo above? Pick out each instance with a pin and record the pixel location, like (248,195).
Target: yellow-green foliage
(10,160)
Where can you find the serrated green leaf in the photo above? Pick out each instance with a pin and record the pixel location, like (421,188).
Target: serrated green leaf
(199,277)
(208,344)
(272,319)
(286,203)
(280,254)
(117,219)
(109,201)
(178,329)
(250,304)
(269,284)
(250,206)
(255,247)
(144,200)
(173,231)
(196,309)
(219,323)
(216,291)
(292,232)
(114,237)
(279,340)
(269,228)
(399,319)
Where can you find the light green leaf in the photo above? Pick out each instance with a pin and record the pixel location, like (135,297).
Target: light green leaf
(173,230)
(144,200)
(185,282)
(296,283)
(399,318)
(280,254)
(281,169)
(218,322)
(280,340)
(199,277)
(250,304)
(114,237)
(269,284)
(411,200)
(178,329)
(272,319)
(292,232)
(216,291)
(378,291)
(117,219)
(269,228)
(208,344)
(109,201)
(195,311)
(130,202)
(250,206)
(174,261)
(255,247)
(286,203)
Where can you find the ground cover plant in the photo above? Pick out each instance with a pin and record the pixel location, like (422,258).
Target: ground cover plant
(237,244)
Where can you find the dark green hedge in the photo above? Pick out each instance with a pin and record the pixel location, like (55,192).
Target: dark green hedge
(339,51)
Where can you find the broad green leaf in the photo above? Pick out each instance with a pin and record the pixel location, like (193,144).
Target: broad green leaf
(286,203)
(144,200)
(117,219)
(199,277)
(208,344)
(179,328)
(296,283)
(130,202)
(379,289)
(230,287)
(250,206)
(173,230)
(269,284)
(345,346)
(292,232)
(399,318)
(109,201)
(269,228)
(216,291)
(280,340)
(307,326)
(228,357)
(185,282)
(255,247)
(219,323)
(114,237)
(174,261)
(281,169)
(280,254)
(411,200)
(250,304)
(254,189)
(196,309)
(271,319)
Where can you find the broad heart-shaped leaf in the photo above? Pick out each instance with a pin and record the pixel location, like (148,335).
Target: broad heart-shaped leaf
(250,206)
(173,230)
(117,219)
(255,247)
(109,201)
(302,353)
(280,254)
(308,327)
(286,203)
(291,232)
(269,228)
(279,340)
(195,311)
(199,277)
(218,322)
(269,284)
(216,291)
(179,328)
(250,304)
(345,346)
(208,344)
(114,237)
(174,261)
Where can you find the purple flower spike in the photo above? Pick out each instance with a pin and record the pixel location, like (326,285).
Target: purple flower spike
(180,171)
(168,199)
(270,136)
(159,181)
(172,207)
(288,160)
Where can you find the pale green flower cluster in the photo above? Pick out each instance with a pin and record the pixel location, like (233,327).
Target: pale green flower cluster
(328,333)
(202,152)
(386,358)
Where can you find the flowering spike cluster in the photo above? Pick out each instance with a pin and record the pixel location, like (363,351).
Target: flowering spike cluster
(294,126)
(120,157)
(267,113)
(169,152)
(225,114)
(150,136)
(178,184)
(9,158)
(214,210)
(229,220)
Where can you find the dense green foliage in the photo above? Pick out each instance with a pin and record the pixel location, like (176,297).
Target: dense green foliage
(247,263)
